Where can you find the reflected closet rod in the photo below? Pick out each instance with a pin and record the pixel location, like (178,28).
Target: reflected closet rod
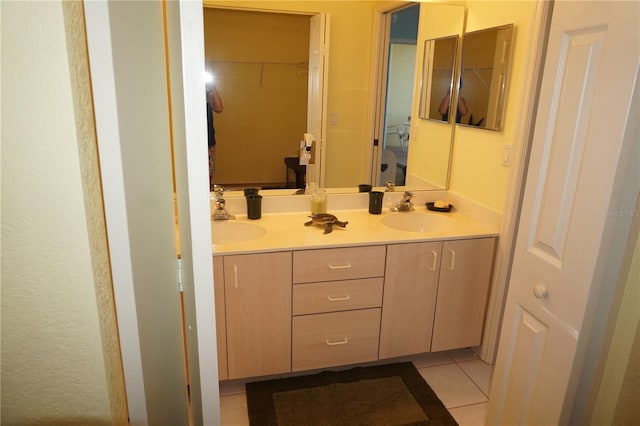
(301,63)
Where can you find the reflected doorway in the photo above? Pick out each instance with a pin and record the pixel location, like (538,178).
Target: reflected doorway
(398,76)
(260,61)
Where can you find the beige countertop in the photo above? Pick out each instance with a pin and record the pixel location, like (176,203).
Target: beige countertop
(286,231)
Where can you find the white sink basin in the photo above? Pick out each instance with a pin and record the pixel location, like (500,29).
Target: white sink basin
(416,222)
(230,231)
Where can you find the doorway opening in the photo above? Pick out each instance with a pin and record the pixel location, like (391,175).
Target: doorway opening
(395,100)
(260,61)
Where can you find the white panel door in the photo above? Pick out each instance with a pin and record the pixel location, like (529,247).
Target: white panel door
(317,93)
(588,79)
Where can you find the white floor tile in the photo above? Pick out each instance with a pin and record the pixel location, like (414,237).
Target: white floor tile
(465,354)
(431,359)
(470,415)
(452,386)
(480,372)
(233,410)
(231,387)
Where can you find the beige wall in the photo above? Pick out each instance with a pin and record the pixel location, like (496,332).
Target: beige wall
(260,64)
(477,170)
(57,367)
(430,145)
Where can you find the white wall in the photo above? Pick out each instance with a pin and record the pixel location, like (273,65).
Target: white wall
(53,357)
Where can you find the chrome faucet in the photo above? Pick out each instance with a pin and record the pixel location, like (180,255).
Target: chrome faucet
(390,186)
(220,213)
(404,205)
(218,190)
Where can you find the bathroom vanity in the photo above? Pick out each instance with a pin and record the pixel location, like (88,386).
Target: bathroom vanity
(296,299)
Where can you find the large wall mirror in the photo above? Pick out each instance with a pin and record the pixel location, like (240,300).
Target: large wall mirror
(483,76)
(259,51)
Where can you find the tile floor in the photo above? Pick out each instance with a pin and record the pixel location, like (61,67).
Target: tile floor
(459,378)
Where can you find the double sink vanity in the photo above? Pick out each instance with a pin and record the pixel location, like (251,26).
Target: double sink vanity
(291,298)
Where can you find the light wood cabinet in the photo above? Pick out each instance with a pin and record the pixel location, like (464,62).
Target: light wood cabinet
(338,264)
(337,294)
(411,282)
(465,275)
(221,325)
(258,313)
(307,309)
(337,338)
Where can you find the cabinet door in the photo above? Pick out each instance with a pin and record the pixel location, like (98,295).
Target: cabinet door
(258,308)
(410,285)
(465,275)
(221,330)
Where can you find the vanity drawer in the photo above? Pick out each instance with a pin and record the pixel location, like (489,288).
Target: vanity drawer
(338,338)
(338,264)
(334,296)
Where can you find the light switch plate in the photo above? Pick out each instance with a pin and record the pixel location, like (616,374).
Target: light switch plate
(506,155)
(304,155)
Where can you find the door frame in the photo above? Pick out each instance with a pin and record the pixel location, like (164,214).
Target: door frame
(142,406)
(379,76)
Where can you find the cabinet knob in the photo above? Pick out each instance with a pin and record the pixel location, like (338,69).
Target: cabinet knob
(540,291)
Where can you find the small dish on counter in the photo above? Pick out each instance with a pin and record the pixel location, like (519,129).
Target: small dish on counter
(432,207)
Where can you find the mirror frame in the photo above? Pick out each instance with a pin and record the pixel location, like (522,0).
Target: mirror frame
(498,82)
(427,83)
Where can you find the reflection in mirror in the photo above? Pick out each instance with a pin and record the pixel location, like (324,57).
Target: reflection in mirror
(432,140)
(485,60)
(277,70)
(437,78)
(260,63)
(400,69)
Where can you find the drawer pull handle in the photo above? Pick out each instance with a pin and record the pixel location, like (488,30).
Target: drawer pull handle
(345,266)
(336,299)
(435,260)
(343,341)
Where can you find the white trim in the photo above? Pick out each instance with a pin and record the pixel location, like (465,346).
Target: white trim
(378,83)
(107,130)
(372,153)
(192,40)
(326,24)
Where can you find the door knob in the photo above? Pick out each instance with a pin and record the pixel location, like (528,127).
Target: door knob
(540,291)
